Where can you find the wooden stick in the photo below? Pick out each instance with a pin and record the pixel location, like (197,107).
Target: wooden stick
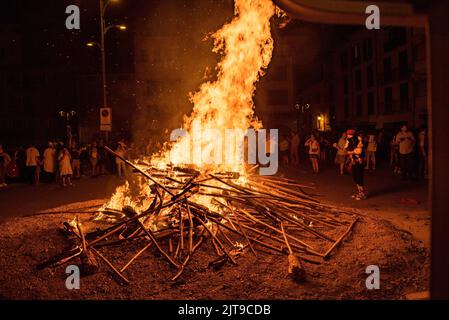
(110,265)
(190,227)
(246,237)
(150,235)
(220,245)
(326,255)
(181,229)
(136,256)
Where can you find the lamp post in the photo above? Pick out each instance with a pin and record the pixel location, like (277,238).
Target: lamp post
(68,115)
(103,30)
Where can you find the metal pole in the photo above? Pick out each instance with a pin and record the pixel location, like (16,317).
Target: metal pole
(103,58)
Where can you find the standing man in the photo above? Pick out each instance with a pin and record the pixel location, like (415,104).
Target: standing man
(121,151)
(406,142)
(356,152)
(294,148)
(32,163)
(371,152)
(49,163)
(422,143)
(341,155)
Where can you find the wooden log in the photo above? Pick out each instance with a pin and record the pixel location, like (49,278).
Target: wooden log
(138,254)
(150,235)
(295,268)
(326,255)
(89,264)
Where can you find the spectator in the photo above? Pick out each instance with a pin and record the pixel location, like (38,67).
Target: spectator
(4,161)
(149,147)
(76,163)
(93,156)
(314,152)
(394,156)
(49,163)
(341,156)
(422,152)
(355,148)
(102,158)
(371,152)
(324,145)
(65,167)
(37,172)
(294,148)
(121,151)
(32,161)
(406,142)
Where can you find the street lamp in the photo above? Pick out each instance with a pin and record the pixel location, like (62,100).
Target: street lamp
(103,30)
(68,115)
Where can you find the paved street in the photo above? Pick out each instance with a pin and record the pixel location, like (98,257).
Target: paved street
(22,199)
(402,203)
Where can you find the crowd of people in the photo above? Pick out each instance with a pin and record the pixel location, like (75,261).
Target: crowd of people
(353,151)
(58,162)
(356,151)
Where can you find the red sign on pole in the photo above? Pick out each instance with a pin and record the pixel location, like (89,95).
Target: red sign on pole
(105,119)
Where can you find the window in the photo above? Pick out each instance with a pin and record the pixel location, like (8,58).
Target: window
(358,80)
(369,76)
(404,97)
(388,72)
(403,63)
(359,106)
(356,54)
(277,97)
(388,100)
(367,49)
(370,100)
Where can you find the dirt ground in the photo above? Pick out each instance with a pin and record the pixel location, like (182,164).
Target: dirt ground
(24,242)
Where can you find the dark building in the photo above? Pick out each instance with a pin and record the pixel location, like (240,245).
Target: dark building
(372,79)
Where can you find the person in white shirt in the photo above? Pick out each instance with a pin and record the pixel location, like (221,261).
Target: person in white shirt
(314,152)
(294,148)
(50,162)
(371,152)
(341,156)
(121,151)
(406,142)
(32,162)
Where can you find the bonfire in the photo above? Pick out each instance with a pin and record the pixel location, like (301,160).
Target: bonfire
(183,200)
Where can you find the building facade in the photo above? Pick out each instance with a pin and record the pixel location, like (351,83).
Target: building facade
(373,79)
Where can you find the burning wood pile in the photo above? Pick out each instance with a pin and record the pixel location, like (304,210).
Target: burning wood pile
(260,214)
(179,210)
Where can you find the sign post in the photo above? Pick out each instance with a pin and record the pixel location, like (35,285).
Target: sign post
(106,121)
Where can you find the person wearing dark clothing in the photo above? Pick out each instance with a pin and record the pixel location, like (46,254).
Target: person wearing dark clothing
(406,142)
(356,152)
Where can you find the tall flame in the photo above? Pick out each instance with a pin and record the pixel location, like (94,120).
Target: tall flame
(246,46)
(227,103)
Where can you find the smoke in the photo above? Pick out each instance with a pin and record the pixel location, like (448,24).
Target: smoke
(173,57)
